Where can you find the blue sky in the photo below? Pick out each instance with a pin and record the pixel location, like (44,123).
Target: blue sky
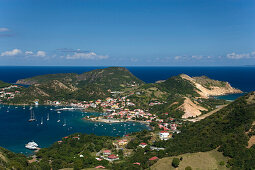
(127,32)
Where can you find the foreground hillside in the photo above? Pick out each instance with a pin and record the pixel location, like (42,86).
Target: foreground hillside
(198,161)
(10,160)
(229,130)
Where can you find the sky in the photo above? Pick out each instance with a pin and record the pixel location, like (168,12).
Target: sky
(127,32)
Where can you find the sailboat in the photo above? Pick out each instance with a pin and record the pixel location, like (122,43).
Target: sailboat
(41,120)
(58,118)
(64,123)
(32,116)
(48,117)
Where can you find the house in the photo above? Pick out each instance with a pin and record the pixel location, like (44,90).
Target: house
(143,145)
(98,159)
(113,157)
(100,167)
(122,142)
(164,135)
(137,163)
(106,152)
(153,158)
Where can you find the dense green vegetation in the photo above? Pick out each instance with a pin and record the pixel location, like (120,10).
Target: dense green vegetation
(67,154)
(224,130)
(3,84)
(177,85)
(10,160)
(68,87)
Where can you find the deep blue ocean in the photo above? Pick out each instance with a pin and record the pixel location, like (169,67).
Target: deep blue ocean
(16,131)
(239,77)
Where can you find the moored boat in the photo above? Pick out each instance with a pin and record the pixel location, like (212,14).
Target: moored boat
(31,145)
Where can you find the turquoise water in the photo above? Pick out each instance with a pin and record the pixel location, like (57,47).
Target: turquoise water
(16,130)
(230,96)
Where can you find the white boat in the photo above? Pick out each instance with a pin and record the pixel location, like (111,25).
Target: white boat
(64,123)
(41,121)
(31,145)
(32,116)
(48,117)
(58,112)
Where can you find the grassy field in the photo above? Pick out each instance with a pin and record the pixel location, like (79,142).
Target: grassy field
(197,161)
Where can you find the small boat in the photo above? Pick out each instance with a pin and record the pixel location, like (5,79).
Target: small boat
(48,117)
(30,108)
(64,123)
(32,116)
(31,145)
(58,118)
(58,112)
(41,121)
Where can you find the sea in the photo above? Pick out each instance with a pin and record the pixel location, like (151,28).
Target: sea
(51,126)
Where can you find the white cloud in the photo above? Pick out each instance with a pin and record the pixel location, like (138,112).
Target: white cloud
(239,56)
(177,57)
(13,52)
(86,56)
(4,29)
(197,57)
(29,53)
(41,54)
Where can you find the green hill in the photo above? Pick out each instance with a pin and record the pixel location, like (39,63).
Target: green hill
(100,83)
(229,130)
(10,160)
(96,84)
(3,84)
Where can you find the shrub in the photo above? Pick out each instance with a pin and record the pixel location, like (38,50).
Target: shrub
(188,168)
(175,162)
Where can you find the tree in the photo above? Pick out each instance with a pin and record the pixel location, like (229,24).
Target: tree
(175,162)
(188,168)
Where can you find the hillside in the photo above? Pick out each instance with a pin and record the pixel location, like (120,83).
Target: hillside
(3,84)
(229,130)
(197,161)
(96,84)
(181,95)
(10,160)
(206,87)
(114,78)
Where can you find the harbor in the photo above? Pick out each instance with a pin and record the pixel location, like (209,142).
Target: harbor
(49,126)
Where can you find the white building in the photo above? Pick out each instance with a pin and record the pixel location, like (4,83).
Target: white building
(164,135)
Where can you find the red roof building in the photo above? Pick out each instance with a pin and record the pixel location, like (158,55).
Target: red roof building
(153,158)
(107,152)
(112,156)
(100,167)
